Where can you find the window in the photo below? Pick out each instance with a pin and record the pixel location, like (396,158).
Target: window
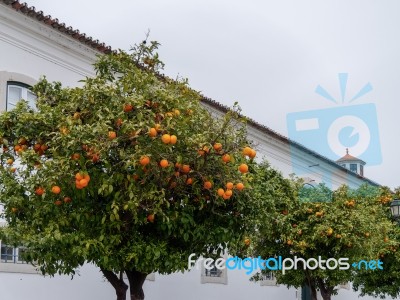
(268,279)
(361,170)
(17,91)
(11,254)
(11,260)
(214,272)
(353,168)
(214,275)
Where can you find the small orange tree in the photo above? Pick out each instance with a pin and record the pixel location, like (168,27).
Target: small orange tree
(128,172)
(353,224)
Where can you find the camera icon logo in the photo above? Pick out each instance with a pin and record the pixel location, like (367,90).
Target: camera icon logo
(330,131)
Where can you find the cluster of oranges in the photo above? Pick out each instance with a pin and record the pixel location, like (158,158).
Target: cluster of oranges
(21,146)
(350,203)
(385,199)
(228,192)
(169,139)
(251,153)
(91,154)
(56,190)
(81,180)
(40,149)
(184,169)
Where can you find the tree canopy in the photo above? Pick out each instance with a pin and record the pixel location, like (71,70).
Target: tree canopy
(354,224)
(128,172)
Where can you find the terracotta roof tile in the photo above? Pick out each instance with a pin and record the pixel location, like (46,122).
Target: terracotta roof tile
(31,12)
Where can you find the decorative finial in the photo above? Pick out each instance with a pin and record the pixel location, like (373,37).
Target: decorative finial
(347,150)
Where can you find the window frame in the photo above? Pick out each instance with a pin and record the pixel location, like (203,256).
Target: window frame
(352,166)
(26,89)
(222,277)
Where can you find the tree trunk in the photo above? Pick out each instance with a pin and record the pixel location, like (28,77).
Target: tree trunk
(326,292)
(313,292)
(136,280)
(118,283)
(310,283)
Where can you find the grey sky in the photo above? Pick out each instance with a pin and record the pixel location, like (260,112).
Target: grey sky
(268,55)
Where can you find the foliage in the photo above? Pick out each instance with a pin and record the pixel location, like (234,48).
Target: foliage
(131,153)
(385,283)
(353,225)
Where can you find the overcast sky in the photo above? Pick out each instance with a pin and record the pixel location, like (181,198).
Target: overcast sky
(268,55)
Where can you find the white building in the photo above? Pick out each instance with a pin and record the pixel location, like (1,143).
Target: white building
(33,44)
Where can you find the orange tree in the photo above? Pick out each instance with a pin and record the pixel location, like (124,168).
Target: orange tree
(354,224)
(385,283)
(128,172)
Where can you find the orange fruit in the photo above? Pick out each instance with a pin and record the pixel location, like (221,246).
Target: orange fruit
(44,147)
(78,176)
(243,168)
(217,146)
(150,218)
(228,193)
(64,130)
(166,138)
(239,186)
(86,177)
(229,185)
(157,127)
(153,132)
(67,200)
(39,191)
(144,160)
(173,140)
(128,107)
(177,112)
(56,189)
(253,153)
(77,115)
(164,163)
(75,156)
(95,158)
(189,181)
(247,241)
(10,161)
(207,185)
(83,182)
(118,122)
(78,185)
(12,170)
(36,147)
(185,168)
(17,148)
(247,151)
(169,114)
(14,209)
(226,196)
(22,141)
(226,158)
(220,192)
(58,202)
(112,135)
